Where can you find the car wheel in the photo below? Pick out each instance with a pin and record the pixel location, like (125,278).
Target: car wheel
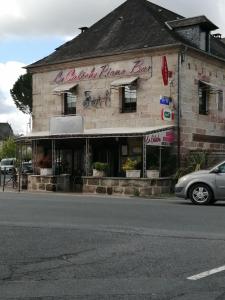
(201,194)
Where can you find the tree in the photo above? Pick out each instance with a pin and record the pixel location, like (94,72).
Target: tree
(8,148)
(22,93)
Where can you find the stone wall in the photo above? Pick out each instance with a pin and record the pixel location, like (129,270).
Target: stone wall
(49,183)
(107,113)
(126,186)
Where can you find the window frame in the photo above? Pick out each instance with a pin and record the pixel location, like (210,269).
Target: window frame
(220,100)
(68,109)
(128,104)
(203,96)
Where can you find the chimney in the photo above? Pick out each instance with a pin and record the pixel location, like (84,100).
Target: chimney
(83,29)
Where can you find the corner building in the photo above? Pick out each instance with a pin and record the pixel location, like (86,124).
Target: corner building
(142,83)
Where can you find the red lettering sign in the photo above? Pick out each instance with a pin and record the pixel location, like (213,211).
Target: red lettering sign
(104,71)
(165,73)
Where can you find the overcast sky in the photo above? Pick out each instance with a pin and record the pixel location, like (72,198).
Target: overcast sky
(32,29)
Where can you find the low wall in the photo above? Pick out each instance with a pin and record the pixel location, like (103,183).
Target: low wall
(127,186)
(60,183)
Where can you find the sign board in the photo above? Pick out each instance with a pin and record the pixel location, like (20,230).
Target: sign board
(66,125)
(123,69)
(162,138)
(165,100)
(165,72)
(167,114)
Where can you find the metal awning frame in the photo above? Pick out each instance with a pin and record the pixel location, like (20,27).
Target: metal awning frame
(93,136)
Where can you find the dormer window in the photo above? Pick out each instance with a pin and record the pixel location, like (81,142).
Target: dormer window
(195,31)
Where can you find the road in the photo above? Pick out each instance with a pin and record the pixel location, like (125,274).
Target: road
(63,246)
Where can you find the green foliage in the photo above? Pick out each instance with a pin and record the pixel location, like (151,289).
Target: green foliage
(136,193)
(22,93)
(129,164)
(8,149)
(194,161)
(99,166)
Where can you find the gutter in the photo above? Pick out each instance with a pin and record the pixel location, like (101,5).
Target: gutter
(141,50)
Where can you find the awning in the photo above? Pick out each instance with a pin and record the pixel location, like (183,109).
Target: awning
(124,81)
(63,88)
(100,133)
(213,87)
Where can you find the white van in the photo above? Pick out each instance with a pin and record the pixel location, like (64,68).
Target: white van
(7,165)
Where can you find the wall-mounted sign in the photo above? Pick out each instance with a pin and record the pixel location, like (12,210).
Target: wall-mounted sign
(162,138)
(165,100)
(167,114)
(122,69)
(165,72)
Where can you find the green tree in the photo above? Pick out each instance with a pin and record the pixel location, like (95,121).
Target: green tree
(8,148)
(22,93)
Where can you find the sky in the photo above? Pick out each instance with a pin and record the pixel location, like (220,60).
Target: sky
(32,29)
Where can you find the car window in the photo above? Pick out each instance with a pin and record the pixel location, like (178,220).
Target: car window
(222,168)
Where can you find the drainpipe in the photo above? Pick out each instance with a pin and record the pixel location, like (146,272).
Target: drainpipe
(178,108)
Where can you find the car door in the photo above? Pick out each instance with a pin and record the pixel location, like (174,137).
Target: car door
(220,182)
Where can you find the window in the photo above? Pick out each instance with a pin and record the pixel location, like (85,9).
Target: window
(203,92)
(129,98)
(70,100)
(220,101)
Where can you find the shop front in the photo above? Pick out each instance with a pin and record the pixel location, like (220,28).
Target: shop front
(65,162)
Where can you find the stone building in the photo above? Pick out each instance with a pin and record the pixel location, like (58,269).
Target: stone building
(142,83)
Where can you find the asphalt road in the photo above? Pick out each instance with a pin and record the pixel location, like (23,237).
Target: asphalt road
(55,246)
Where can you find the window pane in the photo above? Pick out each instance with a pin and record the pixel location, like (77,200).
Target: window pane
(220,101)
(129,98)
(203,99)
(70,103)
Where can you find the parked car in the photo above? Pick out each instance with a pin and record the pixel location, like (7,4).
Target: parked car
(203,187)
(7,165)
(27,167)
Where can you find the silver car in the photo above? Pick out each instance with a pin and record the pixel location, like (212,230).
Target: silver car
(203,187)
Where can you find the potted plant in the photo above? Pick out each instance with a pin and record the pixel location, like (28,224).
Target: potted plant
(99,169)
(129,167)
(45,165)
(153,171)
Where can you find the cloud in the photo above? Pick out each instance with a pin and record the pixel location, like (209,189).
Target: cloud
(54,17)
(9,73)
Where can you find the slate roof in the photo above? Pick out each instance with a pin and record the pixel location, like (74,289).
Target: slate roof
(136,24)
(5,131)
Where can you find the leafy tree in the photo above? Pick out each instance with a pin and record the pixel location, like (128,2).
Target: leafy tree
(22,93)
(8,148)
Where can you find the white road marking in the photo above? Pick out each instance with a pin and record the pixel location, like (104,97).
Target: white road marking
(206,273)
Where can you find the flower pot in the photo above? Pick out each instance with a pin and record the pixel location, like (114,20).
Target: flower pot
(133,173)
(152,173)
(97,173)
(46,171)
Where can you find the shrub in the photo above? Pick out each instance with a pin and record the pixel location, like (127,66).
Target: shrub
(100,166)
(129,164)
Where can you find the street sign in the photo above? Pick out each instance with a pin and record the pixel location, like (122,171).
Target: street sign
(165,100)
(167,114)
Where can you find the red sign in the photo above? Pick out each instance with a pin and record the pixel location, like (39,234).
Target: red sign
(162,138)
(165,72)
(167,114)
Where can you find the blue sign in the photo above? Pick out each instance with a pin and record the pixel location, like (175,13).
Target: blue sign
(165,100)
